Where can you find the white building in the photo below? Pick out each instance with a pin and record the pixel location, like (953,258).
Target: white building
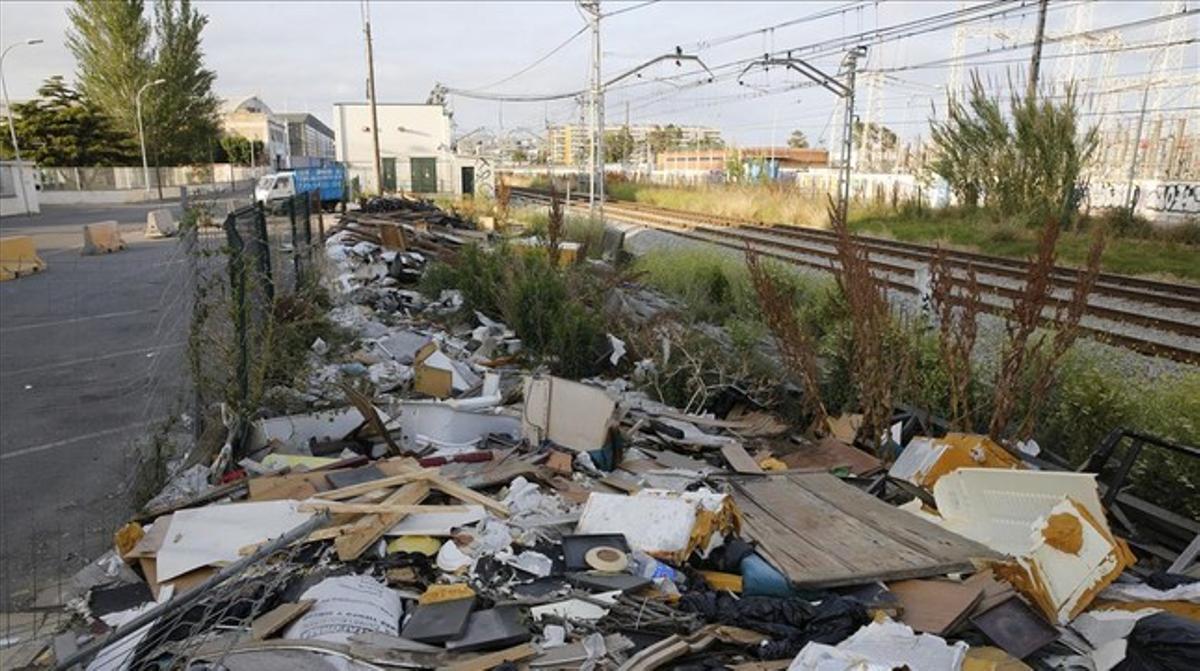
(253,120)
(415,147)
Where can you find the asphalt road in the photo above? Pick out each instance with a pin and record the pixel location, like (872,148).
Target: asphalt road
(92,355)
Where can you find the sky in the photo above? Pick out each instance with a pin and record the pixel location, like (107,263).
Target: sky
(304,56)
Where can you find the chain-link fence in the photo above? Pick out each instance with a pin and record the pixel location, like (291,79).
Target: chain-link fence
(256,278)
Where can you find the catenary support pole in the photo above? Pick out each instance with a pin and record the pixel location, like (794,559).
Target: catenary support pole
(1035,63)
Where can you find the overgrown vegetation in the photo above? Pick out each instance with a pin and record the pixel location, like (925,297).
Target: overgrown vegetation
(556,311)
(1024,163)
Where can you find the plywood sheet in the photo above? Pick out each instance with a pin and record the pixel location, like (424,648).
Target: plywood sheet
(822,532)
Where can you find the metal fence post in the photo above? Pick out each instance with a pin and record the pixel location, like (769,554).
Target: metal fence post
(264,250)
(296,263)
(237,289)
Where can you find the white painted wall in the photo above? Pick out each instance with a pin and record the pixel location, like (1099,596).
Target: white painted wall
(15,200)
(406,131)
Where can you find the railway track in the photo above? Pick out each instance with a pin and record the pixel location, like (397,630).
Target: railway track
(1151,317)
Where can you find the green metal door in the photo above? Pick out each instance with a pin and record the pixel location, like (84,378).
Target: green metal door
(389,174)
(424,175)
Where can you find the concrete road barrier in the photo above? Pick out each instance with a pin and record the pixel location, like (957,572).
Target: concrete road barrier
(160,224)
(102,238)
(18,257)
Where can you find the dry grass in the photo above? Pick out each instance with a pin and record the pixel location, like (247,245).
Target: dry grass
(796,346)
(503,195)
(957,314)
(1028,364)
(774,204)
(874,371)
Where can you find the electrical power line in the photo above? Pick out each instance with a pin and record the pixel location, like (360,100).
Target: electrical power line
(536,63)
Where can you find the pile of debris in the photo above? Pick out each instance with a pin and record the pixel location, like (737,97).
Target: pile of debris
(438,506)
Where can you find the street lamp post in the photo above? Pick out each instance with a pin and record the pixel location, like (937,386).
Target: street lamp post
(137,101)
(12,127)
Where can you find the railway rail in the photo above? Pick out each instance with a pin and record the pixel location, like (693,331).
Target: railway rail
(1158,311)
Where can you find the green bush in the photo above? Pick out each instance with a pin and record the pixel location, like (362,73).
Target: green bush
(555,312)
(1096,395)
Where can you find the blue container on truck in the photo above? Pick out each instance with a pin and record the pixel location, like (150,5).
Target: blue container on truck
(329,181)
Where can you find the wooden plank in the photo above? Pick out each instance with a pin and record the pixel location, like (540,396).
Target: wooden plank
(935,606)
(371,528)
(899,525)
(739,459)
(822,532)
(281,616)
(365,487)
(466,495)
(492,659)
(838,533)
(377,508)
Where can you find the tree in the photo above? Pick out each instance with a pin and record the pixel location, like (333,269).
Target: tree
(665,138)
(798,140)
(182,112)
(1026,168)
(111,43)
(60,128)
(885,136)
(618,145)
(237,150)
(519,155)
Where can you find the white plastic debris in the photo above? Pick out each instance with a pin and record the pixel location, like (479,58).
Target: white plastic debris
(347,605)
(450,559)
(882,646)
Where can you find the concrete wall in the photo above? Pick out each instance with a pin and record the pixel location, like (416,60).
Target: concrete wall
(18,189)
(118,196)
(406,131)
(1163,203)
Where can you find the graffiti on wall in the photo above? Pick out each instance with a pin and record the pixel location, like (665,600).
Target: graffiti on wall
(1168,198)
(485,179)
(1175,198)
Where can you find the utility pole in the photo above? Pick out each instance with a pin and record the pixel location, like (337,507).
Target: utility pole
(366,13)
(1035,63)
(1137,142)
(596,179)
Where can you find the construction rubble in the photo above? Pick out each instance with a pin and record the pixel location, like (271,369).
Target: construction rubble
(432,503)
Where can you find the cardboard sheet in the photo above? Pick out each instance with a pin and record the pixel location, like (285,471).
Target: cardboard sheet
(213,535)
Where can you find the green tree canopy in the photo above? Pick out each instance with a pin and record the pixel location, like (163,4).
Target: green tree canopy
(798,140)
(665,138)
(239,150)
(182,112)
(111,43)
(618,145)
(119,50)
(875,133)
(61,128)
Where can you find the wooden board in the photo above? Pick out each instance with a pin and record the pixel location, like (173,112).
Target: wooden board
(739,459)
(935,606)
(822,532)
(270,623)
(829,452)
(372,527)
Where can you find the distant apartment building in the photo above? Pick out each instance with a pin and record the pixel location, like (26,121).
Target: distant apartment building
(570,144)
(310,142)
(252,119)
